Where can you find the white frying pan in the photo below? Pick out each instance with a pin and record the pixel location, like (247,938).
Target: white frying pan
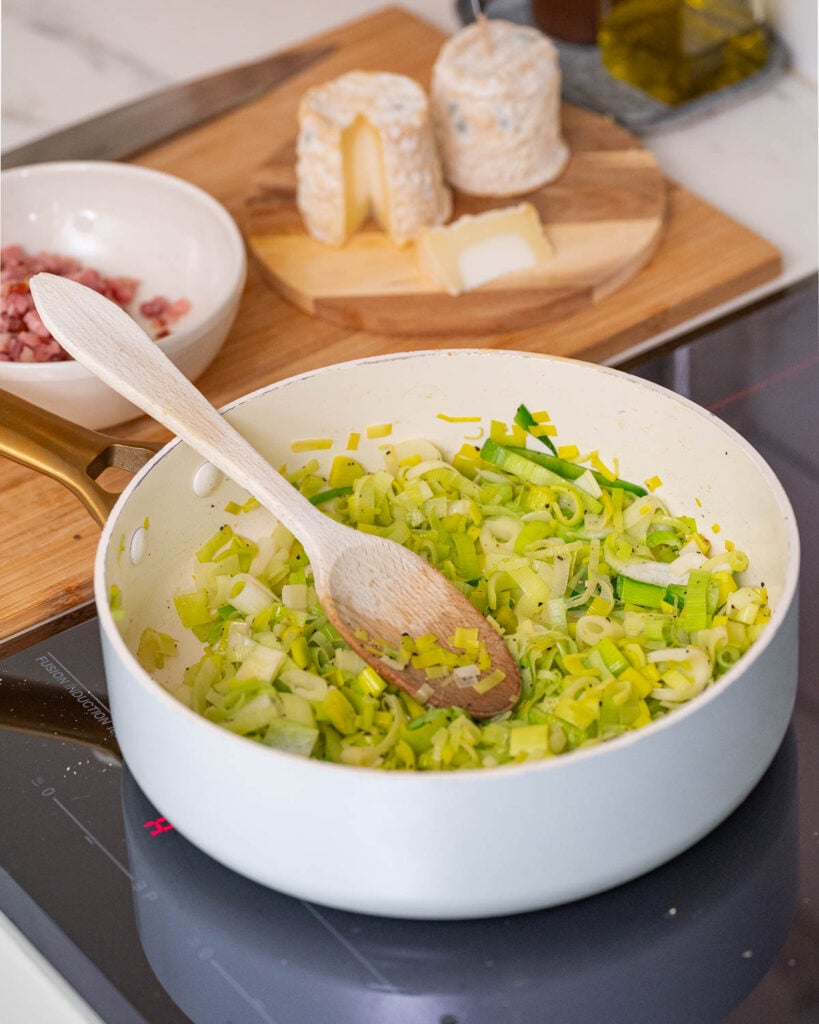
(468,843)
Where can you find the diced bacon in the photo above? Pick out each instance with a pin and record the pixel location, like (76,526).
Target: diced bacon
(155,307)
(35,324)
(24,338)
(17,304)
(122,289)
(178,309)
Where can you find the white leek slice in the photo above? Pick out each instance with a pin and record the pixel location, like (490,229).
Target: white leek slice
(305,684)
(291,736)
(253,597)
(262,663)
(695,666)
(661,574)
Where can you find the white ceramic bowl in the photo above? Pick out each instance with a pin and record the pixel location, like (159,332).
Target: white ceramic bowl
(124,220)
(467,843)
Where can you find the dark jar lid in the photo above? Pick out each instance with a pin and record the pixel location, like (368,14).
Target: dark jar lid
(572,20)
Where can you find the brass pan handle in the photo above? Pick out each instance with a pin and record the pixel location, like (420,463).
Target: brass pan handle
(67,452)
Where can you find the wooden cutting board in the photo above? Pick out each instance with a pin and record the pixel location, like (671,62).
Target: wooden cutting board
(703,259)
(603,217)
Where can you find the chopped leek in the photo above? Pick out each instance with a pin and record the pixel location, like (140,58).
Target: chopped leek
(573,470)
(517,462)
(330,494)
(648,595)
(613,608)
(525,419)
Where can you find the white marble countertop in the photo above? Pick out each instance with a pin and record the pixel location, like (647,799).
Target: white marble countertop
(65,61)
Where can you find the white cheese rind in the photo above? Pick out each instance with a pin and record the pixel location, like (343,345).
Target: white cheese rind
(478,248)
(496,109)
(346,127)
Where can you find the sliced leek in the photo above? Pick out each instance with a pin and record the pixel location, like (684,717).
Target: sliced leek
(611,606)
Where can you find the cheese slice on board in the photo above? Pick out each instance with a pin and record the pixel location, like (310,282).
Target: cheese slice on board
(366,148)
(478,248)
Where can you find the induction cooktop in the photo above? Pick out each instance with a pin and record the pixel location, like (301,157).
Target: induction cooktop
(149,929)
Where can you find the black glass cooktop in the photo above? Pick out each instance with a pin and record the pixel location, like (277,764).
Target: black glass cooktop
(149,929)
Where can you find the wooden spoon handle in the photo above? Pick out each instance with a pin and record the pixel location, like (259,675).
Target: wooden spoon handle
(370,588)
(84,322)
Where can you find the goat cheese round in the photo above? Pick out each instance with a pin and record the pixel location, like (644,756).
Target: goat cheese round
(366,148)
(496,109)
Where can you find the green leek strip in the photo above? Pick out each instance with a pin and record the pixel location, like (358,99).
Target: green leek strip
(647,595)
(727,656)
(571,470)
(466,556)
(658,537)
(614,659)
(567,510)
(517,462)
(333,492)
(214,543)
(153,648)
(531,532)
(694,614)
(115,603)
(675,594)
(525,419)
(193,609)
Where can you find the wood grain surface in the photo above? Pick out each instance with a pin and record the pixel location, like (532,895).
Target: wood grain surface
(704,258)
(603,216)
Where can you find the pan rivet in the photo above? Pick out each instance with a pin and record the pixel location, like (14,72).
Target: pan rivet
(139,545)
(206,479)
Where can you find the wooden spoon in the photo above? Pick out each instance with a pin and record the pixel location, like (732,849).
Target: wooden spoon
(373,590)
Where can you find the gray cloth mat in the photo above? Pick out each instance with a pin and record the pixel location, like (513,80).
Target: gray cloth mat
(586,83)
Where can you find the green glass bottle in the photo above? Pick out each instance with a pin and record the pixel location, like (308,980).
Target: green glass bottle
(676,50)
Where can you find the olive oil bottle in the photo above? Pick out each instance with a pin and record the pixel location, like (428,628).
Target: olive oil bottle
(678,49)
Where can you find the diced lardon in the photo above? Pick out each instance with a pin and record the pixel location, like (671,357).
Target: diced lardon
(366,148)
(496,109)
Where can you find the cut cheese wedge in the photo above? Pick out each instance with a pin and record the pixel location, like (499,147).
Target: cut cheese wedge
(483,247)
(365,149)
(366,188)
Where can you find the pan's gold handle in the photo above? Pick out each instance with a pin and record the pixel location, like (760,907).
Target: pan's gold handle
(67,452)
